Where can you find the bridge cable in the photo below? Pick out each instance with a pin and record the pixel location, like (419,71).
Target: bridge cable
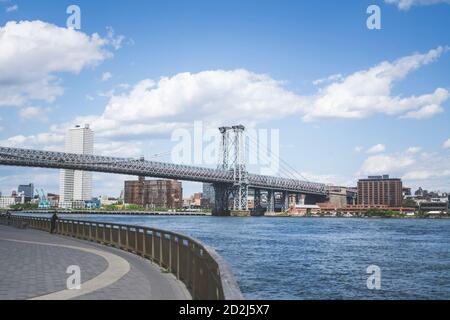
(287,168)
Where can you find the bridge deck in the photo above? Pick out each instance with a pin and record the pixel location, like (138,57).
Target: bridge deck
(34,265)
(61,160)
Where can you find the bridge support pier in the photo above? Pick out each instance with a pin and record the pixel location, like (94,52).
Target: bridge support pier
(257,203)
(270,201)
(224,194)
(313,198)
(284,201)
(221,199)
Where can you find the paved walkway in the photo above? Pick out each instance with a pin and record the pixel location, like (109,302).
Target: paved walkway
(33,265)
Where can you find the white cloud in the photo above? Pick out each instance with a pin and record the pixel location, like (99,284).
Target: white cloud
(152,108)
(367,92)
(220,96)
(330,179)
(381,164)
(109,184)
(446,144)
(424,112)
(377,148)
(120,148)
(35,113)
(426,174)
(407,4)
(33,52)
(358,149)
(106,94)
(217,95)
(113,40)
(47,141)
(12,8)
(416,169)
(42,178)
(333,77)
(89,97)
(413,150)
(123,86)
(106,76)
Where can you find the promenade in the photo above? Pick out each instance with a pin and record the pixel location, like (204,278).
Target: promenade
(33,265)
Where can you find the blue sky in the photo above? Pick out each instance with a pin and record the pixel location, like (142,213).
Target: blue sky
(253,62)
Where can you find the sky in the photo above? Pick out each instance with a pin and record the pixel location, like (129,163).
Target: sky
(347,101)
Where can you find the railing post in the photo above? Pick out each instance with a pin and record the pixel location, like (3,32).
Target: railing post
(170,253)
(194,278)
(153,245)
(136,240)
(144,234)
(161,237)
(178,258)
(188,264)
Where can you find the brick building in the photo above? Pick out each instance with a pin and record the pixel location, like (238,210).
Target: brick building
(380,190)
(154,193)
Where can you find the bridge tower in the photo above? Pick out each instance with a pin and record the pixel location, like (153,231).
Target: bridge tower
(232,147)
(224,148)
(222,191)
(240,185)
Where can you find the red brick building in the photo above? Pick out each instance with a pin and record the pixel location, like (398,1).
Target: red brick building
(380,191)
(154,193)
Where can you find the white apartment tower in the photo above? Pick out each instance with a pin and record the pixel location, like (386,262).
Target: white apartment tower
(76,185)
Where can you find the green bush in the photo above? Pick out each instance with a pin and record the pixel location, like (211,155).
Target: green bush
(382,213)
(24,206)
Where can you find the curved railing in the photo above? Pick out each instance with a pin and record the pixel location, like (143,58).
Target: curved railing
(205,273)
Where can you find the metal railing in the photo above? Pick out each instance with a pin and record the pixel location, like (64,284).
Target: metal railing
(206,275)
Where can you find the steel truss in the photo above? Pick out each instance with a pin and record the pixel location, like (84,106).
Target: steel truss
(137,167)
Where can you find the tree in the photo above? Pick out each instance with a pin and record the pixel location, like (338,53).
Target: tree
(409,203)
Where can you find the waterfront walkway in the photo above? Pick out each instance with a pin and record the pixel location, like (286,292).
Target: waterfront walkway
(33,265)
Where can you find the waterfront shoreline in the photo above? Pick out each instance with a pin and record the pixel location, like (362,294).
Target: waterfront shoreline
(164,214)
(335,217)
(130,213)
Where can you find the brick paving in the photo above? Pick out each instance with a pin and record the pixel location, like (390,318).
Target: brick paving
(28,270)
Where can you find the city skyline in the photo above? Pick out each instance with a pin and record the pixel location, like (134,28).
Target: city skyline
(385,111)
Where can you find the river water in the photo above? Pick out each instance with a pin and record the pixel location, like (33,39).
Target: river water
(321,258)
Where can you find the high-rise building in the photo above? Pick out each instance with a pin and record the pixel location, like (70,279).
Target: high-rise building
(76,185)
(208,195)
(154,193)
(28,191)
(380,191)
